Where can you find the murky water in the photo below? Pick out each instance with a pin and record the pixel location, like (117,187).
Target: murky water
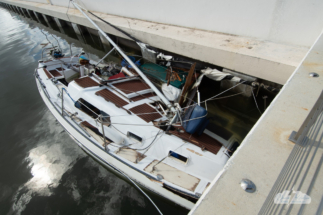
(42,170)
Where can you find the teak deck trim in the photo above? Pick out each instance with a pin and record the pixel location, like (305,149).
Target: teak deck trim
(204,141)
(86,82)
(145,108)
(111,97)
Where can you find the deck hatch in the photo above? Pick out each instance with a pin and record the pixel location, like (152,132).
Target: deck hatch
(87,108)
(173,175)
(55,73)
(48,74)
(144,96)
(148,113)
(131,86)
(134,136)
(177,156)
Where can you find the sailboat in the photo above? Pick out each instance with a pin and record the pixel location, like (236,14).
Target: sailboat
(128,125)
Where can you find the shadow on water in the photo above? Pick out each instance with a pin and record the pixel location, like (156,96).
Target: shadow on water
(43,171)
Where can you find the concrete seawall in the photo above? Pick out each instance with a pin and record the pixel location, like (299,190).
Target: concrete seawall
(262,59)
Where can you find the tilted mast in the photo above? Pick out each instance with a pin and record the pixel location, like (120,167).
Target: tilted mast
(152,86)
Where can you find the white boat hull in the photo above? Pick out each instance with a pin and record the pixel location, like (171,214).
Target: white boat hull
(110,161)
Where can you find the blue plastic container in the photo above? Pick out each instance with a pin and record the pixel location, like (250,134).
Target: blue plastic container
(124,63)
(195,125)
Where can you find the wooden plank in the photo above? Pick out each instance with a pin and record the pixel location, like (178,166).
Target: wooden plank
(173,175)
(131,155)
(187,84)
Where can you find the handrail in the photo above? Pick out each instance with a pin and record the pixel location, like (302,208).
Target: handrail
(71,48)
(41,83)
(46,49)
(100,116)
(306,124)
(104,139)
(62,102)
(68,94)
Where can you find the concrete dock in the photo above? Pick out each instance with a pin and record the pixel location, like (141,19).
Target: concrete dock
(263,59)
(266,149)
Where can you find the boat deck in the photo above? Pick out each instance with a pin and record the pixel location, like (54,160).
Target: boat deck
(204,141)
(133,138)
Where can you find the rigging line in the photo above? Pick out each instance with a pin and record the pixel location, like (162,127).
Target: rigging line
(120,147)
(109,116)
(41,30)
(171,111)
(139,187)
(131,92)
(126,134)
(152,113)
(135,114)
(87,107)
(147,147)
(151,141)
(227,96)
(131,124)
(255,101)
(130,54)
(167,156)
(223,91)
(141,156)
(57,42)
(67,10)
(212,98)
(142,192)
(118,130)
(190,120)
(115,27)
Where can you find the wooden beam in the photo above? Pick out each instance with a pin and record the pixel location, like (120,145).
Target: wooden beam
(188,82)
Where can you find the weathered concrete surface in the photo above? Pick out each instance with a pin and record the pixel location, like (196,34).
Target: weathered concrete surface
(296,22)
(264,151)
(263,59)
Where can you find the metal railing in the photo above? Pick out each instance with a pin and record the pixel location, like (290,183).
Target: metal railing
(62,113)
(42,53)
(100,117)
(299,181)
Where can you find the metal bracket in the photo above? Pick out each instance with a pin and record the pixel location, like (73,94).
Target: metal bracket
(292,136)
(308,122)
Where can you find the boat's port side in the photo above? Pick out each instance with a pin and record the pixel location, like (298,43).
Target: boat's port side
(110,161)
(124,119)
